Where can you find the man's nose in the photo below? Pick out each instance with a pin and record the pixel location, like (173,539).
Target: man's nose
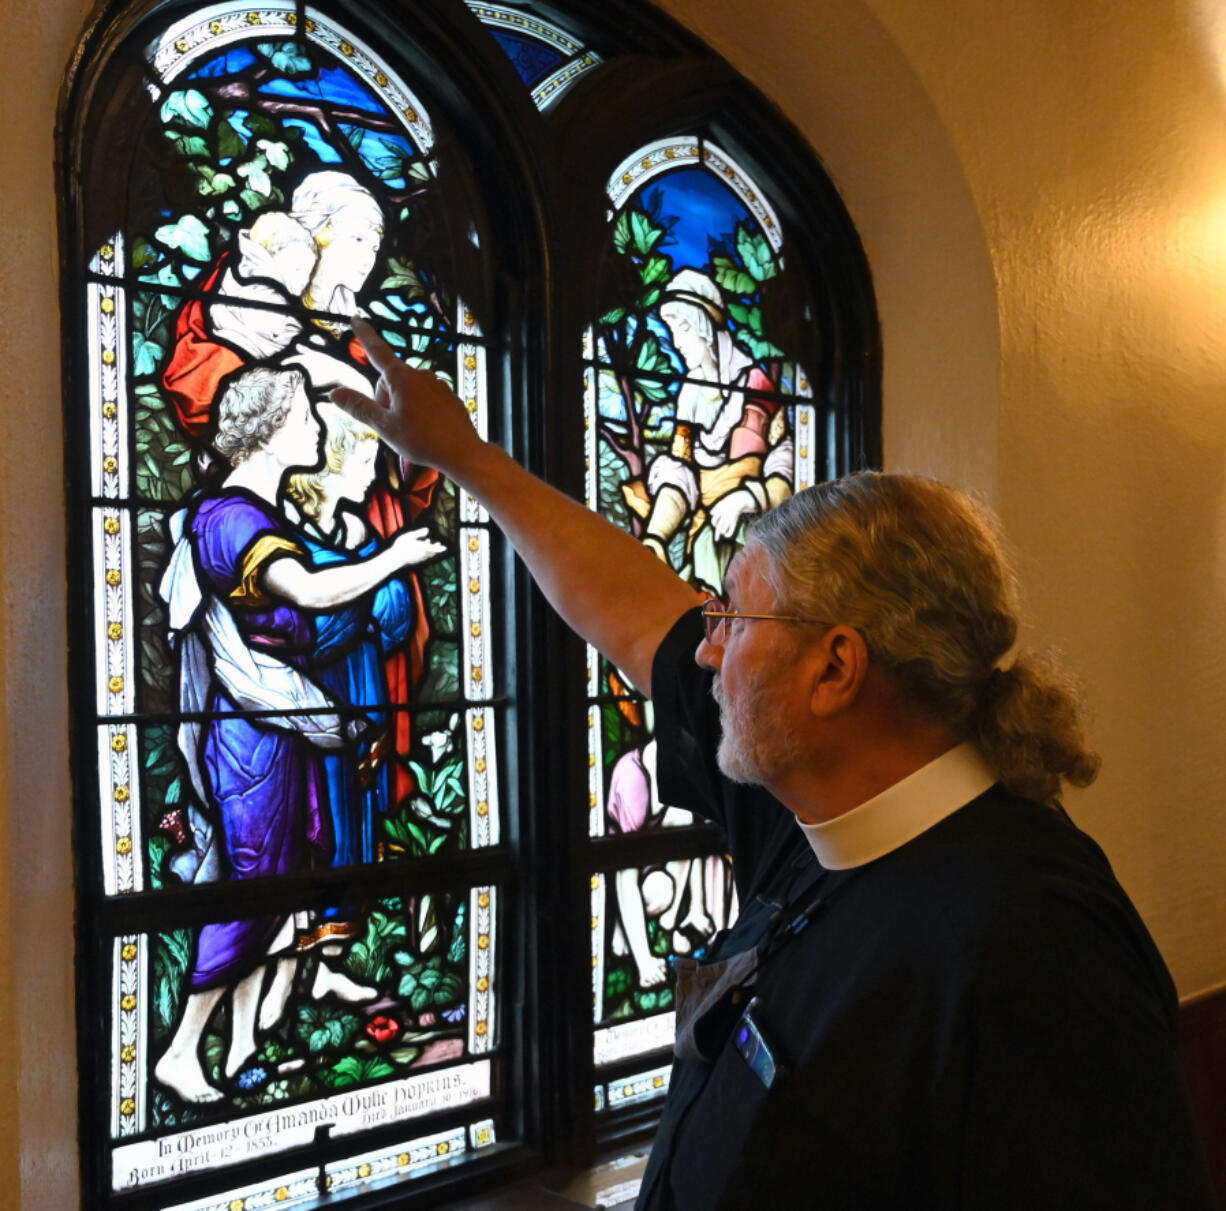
(709,655)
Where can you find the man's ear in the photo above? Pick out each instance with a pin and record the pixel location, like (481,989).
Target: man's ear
(839,663)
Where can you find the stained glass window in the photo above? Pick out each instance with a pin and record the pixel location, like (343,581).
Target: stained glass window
(696,421)
(295,660)
(547,58)
(342,928)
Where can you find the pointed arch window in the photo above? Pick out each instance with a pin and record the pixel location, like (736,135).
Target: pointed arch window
(337,814)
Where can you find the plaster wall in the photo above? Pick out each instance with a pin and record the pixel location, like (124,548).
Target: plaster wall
(1041,188)
(1072,220)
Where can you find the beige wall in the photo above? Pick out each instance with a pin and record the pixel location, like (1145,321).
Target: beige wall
(1049,176)
(1041,188)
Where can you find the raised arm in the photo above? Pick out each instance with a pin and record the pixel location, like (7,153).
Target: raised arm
(608,587)
(336,585)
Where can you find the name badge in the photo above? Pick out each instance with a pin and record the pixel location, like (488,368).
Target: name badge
(753,1048)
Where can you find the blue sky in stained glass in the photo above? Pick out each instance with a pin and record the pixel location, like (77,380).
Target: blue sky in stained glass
(534,60)
(315,141)
(233,61)
(704,207)
(331,84)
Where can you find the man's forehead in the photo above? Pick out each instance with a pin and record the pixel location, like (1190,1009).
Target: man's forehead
(743,571)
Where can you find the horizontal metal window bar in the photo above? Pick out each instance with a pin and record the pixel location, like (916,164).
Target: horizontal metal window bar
(619,851)
(184,906)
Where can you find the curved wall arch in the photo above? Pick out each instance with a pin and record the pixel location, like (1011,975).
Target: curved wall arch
(837,73)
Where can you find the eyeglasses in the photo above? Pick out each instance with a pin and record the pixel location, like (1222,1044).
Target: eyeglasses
(716,611)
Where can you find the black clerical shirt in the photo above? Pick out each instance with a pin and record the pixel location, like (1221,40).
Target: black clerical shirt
(977,1019)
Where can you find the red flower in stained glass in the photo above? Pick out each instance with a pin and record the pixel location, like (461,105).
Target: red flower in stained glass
(382,1029)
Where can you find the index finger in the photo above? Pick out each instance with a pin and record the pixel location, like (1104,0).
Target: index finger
(382,355)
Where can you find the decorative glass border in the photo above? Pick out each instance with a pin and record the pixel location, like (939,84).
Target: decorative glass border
(665,155)
(516,20)
(213,30)
(119,793)
(129,1039)
(631,1090)
(551,88)
(410,1159)
(482,936)
(472,388)
(597,935)
(106,312)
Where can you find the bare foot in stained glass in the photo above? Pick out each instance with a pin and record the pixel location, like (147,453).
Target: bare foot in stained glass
(329,982)
(179,1068)
(183,1075)
(243,1002)
(272,1007)
(699,922)
(653,970)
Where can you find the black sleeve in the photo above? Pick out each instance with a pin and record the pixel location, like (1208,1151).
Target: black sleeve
(1076,1099)
(759,829)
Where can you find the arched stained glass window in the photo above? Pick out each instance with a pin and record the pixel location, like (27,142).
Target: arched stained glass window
(697,419)
(295,663)
(547,58)
(328,751)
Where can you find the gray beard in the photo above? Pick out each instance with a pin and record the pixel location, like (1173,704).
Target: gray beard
(757,745)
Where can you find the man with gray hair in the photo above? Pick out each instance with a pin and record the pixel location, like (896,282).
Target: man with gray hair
(936,995)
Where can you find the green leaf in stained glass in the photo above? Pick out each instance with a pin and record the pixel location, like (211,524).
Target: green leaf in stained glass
(731,277)
(276,153)
(188,106)
(353,1070)
(621,231)
(230,143)
(657,269)
(188,145)
(320,1026)
(143,253)
(256,176)
(403,277)
(188,234)
(755,250)
(644,234)
(286,57)
(212,182)
(145,354)
(738,311)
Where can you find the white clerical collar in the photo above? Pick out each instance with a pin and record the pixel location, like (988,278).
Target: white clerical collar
(902,811)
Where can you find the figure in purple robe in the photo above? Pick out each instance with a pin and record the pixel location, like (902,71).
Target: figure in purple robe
(241,592)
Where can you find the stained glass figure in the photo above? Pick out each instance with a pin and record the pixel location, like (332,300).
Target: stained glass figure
(546,57)
(298,154)
(692,415)
(292,625)
(411,995)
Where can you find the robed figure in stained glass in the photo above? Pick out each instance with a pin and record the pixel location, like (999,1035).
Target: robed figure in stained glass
(241,592)
(316,256)
(350,644)
(731,456)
